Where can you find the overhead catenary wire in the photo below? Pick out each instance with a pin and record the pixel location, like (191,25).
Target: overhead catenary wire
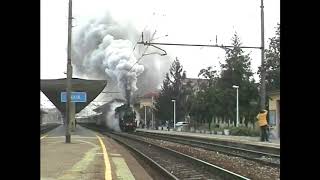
(145,50)
(146,54)
(143,54)
(134,47)
(200,45)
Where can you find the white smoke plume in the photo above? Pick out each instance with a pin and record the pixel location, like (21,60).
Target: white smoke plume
(112,122)
(101,46)
(103,49)
(138,118)
(118,64)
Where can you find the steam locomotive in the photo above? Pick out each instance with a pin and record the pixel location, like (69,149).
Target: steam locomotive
(127,118)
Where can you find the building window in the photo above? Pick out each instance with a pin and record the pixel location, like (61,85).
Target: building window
(272,118)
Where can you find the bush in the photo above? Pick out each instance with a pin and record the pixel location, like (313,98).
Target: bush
(217,129)
(243,131)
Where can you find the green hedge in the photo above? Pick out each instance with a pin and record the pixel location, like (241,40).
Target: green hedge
(243,131)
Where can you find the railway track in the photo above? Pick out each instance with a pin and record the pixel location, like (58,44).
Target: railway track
(172,164)
(263,157)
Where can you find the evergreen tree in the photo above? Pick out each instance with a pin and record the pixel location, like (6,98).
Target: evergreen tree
(272,62)
(163,110)
(173,88)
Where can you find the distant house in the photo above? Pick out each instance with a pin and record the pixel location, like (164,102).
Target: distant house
(274,112)
(148,99)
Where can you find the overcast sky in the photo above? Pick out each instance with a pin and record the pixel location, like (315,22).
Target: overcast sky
(185,22)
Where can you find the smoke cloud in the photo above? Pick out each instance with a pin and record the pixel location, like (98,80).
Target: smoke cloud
(103,49)
(112,122)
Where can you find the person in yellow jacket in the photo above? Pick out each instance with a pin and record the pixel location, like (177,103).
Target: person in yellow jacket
(262,121)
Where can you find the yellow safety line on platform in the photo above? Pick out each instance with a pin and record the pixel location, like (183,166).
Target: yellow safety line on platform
(106,160)
(43,137)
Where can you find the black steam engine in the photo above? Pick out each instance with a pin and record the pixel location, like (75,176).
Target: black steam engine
(127,118)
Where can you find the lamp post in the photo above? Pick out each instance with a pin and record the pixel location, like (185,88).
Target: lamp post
(174,113)
(152,119)
(145,117)
(237,87)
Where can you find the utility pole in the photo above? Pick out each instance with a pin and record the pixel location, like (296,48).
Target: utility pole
(69,77)
(263,75)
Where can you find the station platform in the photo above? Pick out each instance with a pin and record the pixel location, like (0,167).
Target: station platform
(275,143)
(89,156)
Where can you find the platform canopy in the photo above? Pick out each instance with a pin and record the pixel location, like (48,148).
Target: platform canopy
(52,88)
(105,107)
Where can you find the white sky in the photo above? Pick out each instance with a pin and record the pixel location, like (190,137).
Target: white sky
(184,22)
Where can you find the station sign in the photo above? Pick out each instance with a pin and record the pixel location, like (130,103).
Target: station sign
(75,97)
